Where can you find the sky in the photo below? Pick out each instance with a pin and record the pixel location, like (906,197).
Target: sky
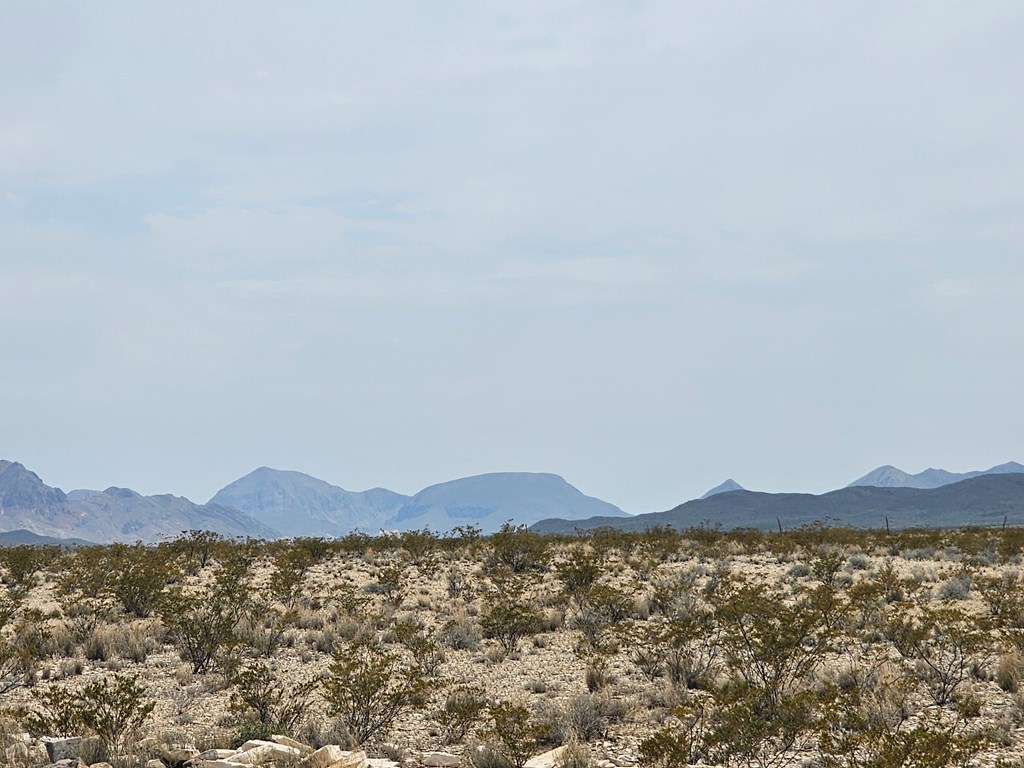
(643,245)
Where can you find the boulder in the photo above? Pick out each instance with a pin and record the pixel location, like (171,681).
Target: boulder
(351,760)
(61,747)
(267,752)
(325,756)
(212,754)
(290,742)
(546,759)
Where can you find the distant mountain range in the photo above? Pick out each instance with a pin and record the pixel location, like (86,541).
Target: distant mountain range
(986,499)
(269,503)
(300,505)
(889,476)
(116,514)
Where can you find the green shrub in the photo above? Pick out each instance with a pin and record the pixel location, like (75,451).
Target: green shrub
(368,688)
(266,705)
(509,617)
(203,623)
(517,550)
(113,708)
(462,710)
(515,732)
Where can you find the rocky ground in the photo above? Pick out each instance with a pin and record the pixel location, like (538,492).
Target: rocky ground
(619,641)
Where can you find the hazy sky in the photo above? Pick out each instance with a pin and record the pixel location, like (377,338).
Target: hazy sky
(643,245)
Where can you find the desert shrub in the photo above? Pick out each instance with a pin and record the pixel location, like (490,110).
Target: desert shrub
(515,732)
(462,710)
(509,617)
(1009,671)
(943,642)
(827,565)
(425,650)
(799,571)
(460,634)
(114,708)
(203,623)
(419,546)
(855,734)
(21,563)
(683,742)
(589,717)
(575,755)
(368,688)
(1003,597)
(55,711)
(578,574)
(956,588)
(769,642)
(391,583)
(858,562)
(198,548)
(273,610)
(514,548)
(265,705)
(457,582)
(137,576)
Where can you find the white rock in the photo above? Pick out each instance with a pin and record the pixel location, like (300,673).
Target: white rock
(545,760)
(268,752)
(380,762)
(213,754)
(253,743)
(289,742)
(351,760)
(325,756)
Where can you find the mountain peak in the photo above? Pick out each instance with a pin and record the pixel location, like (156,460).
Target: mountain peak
(724,487)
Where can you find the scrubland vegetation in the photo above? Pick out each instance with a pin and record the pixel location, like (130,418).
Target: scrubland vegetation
(823,647)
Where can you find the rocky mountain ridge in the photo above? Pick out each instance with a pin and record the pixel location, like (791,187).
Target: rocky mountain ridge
(986,500)
(888,476)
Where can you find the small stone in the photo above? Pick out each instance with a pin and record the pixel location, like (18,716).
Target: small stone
(104,764)
(380,762)
(154,763)
(181,755)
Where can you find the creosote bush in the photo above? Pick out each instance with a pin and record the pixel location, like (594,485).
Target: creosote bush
(369,687)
